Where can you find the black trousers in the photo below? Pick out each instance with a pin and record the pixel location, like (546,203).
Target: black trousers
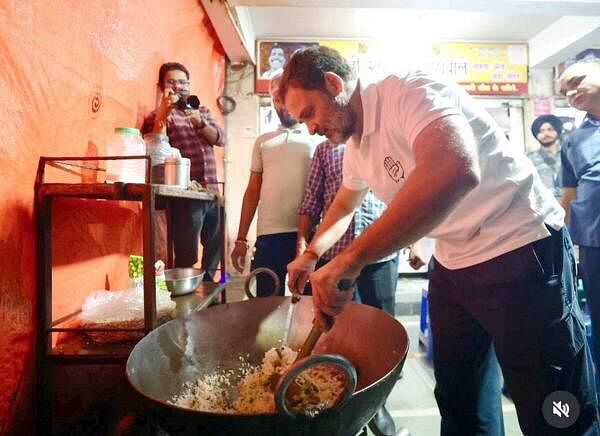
(193,219)
(523,303)
(589,271)
(273,251)
(375,286)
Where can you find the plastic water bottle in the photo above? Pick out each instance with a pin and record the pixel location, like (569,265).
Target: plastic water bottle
(158,148)
(126,141)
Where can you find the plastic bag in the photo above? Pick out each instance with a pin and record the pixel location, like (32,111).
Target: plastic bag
(121,309)
(111,306)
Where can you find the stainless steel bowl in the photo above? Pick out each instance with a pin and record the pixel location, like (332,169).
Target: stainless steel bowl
(181,281)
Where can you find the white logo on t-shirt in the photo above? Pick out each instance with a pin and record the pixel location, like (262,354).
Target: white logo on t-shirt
(394,168)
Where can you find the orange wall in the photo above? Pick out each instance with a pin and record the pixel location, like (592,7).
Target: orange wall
(56,56)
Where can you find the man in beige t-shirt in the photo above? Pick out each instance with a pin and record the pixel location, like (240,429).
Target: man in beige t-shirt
(280,164)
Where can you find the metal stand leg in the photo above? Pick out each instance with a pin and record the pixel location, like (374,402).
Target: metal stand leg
(44,311)
(222,232)
(170,261)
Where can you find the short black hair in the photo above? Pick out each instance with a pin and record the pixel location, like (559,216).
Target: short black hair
(306,68)
(170,66)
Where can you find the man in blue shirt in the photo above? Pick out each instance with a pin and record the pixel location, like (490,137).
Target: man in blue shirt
(580,174)
(376,284)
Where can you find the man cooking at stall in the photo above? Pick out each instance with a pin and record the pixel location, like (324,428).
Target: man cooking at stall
(502,272)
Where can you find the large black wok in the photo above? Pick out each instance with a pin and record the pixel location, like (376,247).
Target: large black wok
(184,349)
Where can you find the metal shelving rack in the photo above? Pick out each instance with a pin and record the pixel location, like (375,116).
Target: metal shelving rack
(79,350)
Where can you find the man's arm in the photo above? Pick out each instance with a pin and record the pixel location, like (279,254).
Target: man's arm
(446,170)
(337,219)
(334,224)
(568,195)
(159,122)
(208,127)
(209,131)
(311,205)
(568,180)
(148,124)
(305,224)
(249,204)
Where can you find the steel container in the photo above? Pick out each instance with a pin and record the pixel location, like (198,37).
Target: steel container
(177,171)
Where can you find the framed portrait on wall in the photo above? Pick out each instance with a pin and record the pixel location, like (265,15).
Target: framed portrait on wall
(271,56)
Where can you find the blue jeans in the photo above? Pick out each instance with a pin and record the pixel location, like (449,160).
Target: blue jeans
(273,251)
(190,219)
(524,304)
(376,285)
(589,270)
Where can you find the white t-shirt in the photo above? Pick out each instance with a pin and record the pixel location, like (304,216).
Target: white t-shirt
(505,211)
(283,157)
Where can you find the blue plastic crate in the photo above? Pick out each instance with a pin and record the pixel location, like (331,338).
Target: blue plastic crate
(425,336)
(587,322)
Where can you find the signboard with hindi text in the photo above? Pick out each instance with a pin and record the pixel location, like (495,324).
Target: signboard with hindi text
(483,68)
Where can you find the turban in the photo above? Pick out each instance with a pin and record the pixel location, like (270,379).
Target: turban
(552,119)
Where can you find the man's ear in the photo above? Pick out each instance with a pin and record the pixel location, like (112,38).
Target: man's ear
(333,83)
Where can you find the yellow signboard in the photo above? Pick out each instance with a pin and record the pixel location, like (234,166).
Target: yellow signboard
(483,68)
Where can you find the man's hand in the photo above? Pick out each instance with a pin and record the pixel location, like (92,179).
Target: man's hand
(167,103)
(416,258)
(238,255)
(299,269)
(195,117)
(327,298)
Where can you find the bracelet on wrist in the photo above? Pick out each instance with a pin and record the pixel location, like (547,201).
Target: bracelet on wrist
(311,253)
(242,241)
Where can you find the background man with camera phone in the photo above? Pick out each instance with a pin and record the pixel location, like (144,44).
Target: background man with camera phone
(192,129)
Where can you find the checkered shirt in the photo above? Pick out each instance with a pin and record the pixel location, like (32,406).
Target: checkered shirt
(192,143)
(324,179)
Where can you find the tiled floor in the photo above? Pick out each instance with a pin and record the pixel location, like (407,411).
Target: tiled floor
(411,403)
